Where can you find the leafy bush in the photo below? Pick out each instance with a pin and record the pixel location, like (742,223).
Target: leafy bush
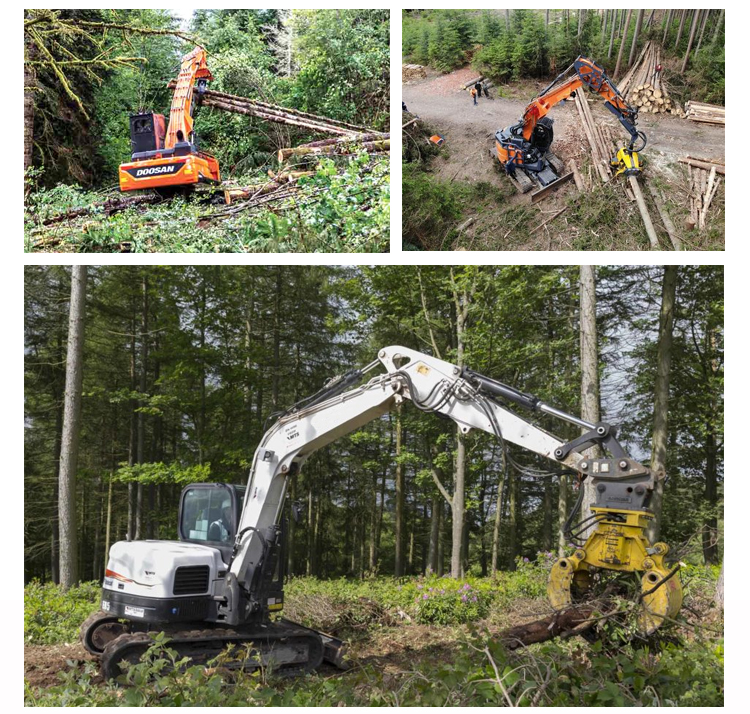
(52,616)
(450,604)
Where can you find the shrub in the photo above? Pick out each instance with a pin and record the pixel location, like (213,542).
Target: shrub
(52,616)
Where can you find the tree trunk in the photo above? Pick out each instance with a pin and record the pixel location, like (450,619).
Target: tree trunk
(457,508)
(719,594)
(666,28)
(711,524)
(717,30)
(132,487)
(29,105)
(399,524)
(612,34)
(546,18)
(432,552)
(507,20)
(108,530)
(693,26)
(634,44)
(72,428)
(142,387)
(496,527)
(589,375)
(680,28)
(580,23)
(661,396)
(604,26)
(562,510)
(513,521)
(622,43)
(706,13)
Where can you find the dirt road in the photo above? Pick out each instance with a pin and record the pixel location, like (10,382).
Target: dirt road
(468,129)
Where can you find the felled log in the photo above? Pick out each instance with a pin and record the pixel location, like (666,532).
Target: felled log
(108,207)
(342,148)
(577,176)
(574,620)
(467,85)
(665,219)
(695,163)
(279,117)
(236,99)
(289,175)
(645,215)
(706,113)
(232,194)
(303,149)
(358,137)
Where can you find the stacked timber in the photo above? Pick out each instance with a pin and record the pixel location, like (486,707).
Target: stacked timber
(344,146)
(411,72)
(471,83)
(704,177)
(706,113)
(643,88)
(601,150)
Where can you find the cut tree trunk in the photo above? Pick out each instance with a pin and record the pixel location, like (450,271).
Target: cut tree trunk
(347,147)
(644,213)
(572,621)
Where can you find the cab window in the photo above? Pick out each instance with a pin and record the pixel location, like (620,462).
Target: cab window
(207,515)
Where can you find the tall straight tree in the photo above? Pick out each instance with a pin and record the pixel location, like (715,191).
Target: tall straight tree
(667,25)
(661,395)
(634,44)
(706,13)
(71,429)
(683,16)
(693,26)
(612,34)
(622,43)
(589,371)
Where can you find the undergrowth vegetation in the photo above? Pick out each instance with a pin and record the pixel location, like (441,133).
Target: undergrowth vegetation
(414,642)
(343,207)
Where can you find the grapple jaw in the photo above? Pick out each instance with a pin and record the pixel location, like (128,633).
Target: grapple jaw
(618,543)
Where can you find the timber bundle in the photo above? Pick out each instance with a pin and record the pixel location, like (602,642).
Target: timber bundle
(706,113)
(412,71)
(703,182)
(487,84)
(644,88)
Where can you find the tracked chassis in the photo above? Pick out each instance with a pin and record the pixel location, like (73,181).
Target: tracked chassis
(526,181)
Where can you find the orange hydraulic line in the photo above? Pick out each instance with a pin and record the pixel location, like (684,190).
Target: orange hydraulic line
(180,118)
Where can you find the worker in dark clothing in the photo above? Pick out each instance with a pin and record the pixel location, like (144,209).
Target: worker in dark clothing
(478,87)
(485,90)
(403,107)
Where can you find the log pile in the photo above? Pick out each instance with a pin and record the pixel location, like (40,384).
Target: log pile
(706,113)
(471,83)
(703,183)
(412,71)
(344,146)
(643,88)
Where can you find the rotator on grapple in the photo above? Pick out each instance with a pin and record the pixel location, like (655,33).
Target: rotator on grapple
(222,583)
(523,149)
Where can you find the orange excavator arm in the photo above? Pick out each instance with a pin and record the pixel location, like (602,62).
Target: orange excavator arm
(193,68)
(588,74)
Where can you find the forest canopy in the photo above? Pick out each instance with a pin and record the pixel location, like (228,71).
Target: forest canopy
(182,367)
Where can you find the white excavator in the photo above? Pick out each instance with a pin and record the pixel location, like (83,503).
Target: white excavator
(221,584)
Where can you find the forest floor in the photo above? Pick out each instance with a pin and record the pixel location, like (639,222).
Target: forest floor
(467,157)
(412,641)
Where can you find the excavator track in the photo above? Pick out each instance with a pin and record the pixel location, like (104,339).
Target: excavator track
(99,629)
(285,649)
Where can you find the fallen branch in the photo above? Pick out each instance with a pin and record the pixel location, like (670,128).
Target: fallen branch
(578,619)
(108,207)
(551,218)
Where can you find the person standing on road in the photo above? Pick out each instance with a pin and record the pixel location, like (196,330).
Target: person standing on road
(474,95)
(478,87)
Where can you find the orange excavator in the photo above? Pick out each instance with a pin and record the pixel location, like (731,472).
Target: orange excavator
(523,149)
(169,160)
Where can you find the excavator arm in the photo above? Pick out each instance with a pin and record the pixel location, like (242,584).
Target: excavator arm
(471,400)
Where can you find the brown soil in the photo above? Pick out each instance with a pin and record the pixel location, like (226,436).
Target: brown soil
(43,663)
(469,130)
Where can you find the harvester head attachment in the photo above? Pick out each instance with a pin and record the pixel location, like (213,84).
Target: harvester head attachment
(626,162)
(618,544)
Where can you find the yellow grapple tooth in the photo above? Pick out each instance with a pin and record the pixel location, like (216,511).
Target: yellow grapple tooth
(664,602)
(561,578)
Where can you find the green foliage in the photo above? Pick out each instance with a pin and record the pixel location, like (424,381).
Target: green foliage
(52,616)
(163,473)
(478,671)
(450,602)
